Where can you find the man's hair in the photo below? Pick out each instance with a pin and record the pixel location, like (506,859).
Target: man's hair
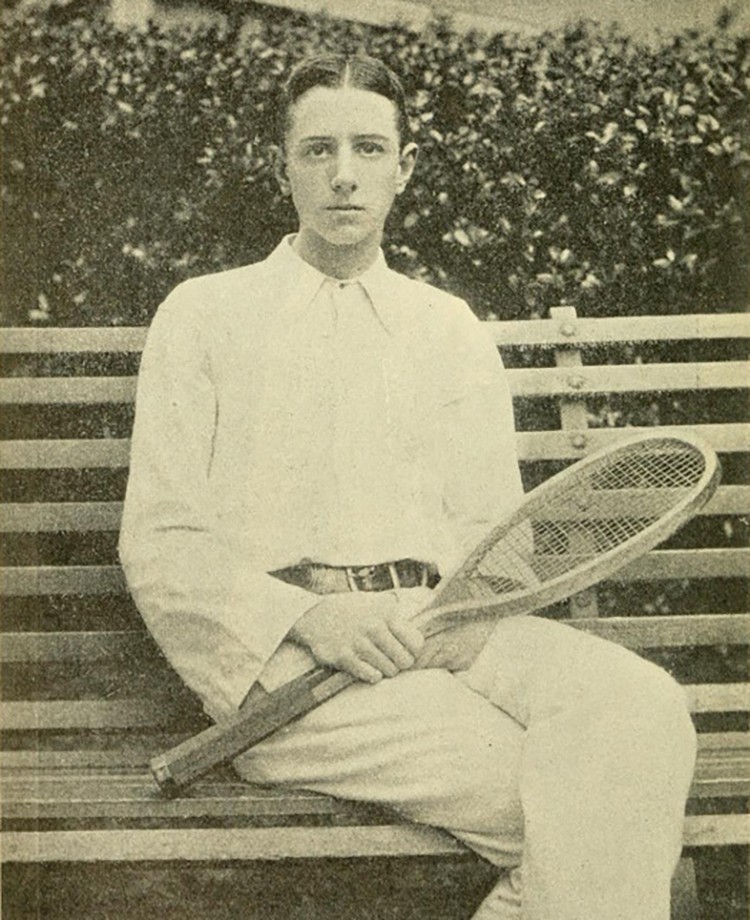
(358,71)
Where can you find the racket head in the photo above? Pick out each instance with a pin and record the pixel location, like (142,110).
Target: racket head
(579,527)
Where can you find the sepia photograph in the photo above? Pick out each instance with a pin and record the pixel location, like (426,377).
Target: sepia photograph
(374,437)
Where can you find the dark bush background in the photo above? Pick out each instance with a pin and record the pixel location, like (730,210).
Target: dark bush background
(579,167)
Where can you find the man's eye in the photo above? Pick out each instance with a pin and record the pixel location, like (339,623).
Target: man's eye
(318,150)
(370,148)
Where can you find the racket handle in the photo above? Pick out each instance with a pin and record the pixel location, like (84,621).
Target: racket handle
(179,766)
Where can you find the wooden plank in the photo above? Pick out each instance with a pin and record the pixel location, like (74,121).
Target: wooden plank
(26,581)
(55,517)
(81,517)
(66,390)
(70,646)
(717,830)
(718,697)
(71,454)
(72,795)
(722,778)
(584,331)
(561,445)
(687,563)
(527,382)
(670,631)
(59,715)
(532,446)
(724,741)
(29,581)
(130,753)
(219,845)
(632,631)
(138,796)
(140,750)
(73,340)
(585,381)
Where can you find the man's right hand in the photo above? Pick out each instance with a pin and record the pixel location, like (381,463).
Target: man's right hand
(362,633)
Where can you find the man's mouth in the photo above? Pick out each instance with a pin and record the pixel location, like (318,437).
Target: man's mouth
(345,207)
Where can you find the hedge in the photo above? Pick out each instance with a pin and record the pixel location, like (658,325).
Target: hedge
(581,167)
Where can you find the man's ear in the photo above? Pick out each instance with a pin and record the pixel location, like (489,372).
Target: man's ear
(279,169)
(406,163)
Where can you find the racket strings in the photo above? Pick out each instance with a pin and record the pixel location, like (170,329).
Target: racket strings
(595,513)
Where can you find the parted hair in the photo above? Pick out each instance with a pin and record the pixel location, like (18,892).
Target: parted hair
(358,71)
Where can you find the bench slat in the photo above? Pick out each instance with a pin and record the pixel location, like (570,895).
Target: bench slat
(287,842)
(532,446)
(26,581)
(160,713)
(73,340)
(55,391)
(59,715)
(634,632)
(528,382)
(670,631)
(54,517)
(46,796)
(137,796)
(234,844)
(718,697)
(613,329)
(687,563)
(79,517)
(93,763)
(733,437)
(62,454)
(29,581)
(585,381)
(70,646)
(550,332)
(717,830)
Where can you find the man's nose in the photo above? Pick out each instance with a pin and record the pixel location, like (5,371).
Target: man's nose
(344,176)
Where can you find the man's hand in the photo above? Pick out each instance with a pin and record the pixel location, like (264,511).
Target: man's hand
(367,634)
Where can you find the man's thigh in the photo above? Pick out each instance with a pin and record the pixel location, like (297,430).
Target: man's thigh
(422,743)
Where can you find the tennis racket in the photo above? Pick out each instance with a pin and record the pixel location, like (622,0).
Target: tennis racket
(574,530)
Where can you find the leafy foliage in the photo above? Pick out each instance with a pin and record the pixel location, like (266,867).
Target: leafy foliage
(577,168)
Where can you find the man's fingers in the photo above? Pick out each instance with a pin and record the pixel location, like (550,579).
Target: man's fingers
(407,634)
(361,669)
(372,655)
(390,648)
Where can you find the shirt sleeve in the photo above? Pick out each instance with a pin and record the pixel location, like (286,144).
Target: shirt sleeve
(216,618)
(481,477)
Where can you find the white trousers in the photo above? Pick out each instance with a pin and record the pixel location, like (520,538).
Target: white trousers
(563,759)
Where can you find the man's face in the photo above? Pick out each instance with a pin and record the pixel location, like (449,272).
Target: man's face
(343,164)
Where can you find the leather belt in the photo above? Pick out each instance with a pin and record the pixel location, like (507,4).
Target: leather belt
(331,579)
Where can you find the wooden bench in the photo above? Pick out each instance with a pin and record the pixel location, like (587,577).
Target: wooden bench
(88,699)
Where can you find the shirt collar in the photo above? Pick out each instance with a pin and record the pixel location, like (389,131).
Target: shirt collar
(306,281)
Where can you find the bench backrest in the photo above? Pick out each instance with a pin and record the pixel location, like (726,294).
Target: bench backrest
(83,682)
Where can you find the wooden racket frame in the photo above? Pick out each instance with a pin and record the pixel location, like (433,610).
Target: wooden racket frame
(599,568)
(175,768)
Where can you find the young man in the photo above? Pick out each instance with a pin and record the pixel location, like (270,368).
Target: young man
(317,438)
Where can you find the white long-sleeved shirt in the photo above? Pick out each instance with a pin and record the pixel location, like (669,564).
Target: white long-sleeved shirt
(283,416)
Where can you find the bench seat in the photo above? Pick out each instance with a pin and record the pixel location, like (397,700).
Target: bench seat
(88,700)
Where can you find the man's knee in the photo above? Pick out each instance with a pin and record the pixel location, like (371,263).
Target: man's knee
(658,706)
